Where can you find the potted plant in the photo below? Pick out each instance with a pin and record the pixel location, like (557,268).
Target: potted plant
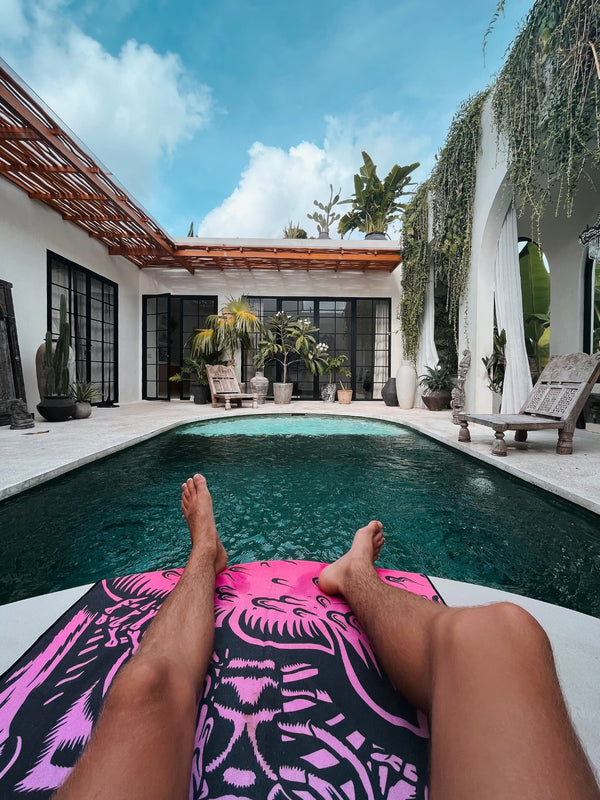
(57,404)
(326,217)
(226,332)
(293,231)
(332,365)
(438,387)
(344,394)
(375,204)
(195,370)
(83,394)
(288,341)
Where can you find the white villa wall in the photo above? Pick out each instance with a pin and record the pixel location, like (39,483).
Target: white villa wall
(28,229)
(559,241)
(287,283)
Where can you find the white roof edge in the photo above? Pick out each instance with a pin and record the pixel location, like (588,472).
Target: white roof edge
(296,244)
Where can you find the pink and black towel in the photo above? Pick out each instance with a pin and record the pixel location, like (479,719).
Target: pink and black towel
(295,704)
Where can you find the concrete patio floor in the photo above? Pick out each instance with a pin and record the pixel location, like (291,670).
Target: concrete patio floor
(52,449)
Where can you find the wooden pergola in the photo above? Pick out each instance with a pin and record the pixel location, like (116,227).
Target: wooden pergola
(42,157)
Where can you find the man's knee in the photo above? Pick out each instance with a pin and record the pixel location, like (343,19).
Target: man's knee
(504,625)
(148,683)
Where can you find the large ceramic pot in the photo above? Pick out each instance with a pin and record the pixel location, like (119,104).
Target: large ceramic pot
(282,393)
(328,392)
(200,393)
(437,400)
(375,235)
(406,385)
(260,385)
(388,392)
(56,409)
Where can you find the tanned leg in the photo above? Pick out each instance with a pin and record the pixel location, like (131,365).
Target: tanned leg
(486,676)
(142,746)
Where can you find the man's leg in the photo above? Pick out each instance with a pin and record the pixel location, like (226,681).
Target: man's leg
(142,746)
(486,676)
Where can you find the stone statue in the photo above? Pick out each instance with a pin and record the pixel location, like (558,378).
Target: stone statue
(20,418)
(458,393)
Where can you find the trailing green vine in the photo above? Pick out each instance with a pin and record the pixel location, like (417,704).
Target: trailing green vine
(415,270)
(547,104)
(451,188)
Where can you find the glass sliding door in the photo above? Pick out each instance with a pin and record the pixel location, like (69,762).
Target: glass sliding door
(167,324)
(92,307)
(358,328)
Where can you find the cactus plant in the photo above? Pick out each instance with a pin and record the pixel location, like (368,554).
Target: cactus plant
(57,358)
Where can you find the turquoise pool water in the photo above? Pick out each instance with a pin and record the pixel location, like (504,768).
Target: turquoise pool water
(298,487)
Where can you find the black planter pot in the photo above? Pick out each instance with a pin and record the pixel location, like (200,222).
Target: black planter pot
(375,235)
(388,392)
(56,409)
(437,400)
(201,393)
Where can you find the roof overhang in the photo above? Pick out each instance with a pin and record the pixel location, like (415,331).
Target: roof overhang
(39,154)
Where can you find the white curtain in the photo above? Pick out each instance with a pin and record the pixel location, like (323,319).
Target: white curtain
(428,354)
(509,316)
(381,347)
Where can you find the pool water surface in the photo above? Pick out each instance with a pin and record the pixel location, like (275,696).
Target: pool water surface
(287,487)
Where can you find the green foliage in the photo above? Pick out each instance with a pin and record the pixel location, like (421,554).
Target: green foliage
(288,341)
(547,105)
(347,374)
(57,357)
(436,379)
(326,219)
(334,365)
(191,230)
(495,364)
(294,231)
(227,331)
(376,204)
(195,368)
(83,392)
(535,291)
(451,188)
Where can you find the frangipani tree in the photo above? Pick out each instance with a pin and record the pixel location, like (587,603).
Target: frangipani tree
(288,341)
(376,203)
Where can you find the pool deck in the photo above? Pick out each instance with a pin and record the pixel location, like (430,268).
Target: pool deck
(28,460)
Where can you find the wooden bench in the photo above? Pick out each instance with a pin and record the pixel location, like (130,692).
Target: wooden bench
(554,403)
(224,386)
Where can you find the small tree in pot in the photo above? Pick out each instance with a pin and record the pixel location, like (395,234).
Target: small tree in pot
(226,332)
(290,341)
(326,217)
(195,370)
(438,387)
(333,365)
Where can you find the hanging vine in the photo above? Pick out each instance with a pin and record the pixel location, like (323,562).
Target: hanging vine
(415,272)
(451,187)
(547,104)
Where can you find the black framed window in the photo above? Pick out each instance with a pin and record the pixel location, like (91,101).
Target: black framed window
(356,327)
(167,323)
(92,307)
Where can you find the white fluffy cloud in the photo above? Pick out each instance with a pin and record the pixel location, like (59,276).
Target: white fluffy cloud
(278,186)
(131,110)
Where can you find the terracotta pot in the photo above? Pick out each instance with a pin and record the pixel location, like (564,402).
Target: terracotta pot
(282,393)
(437,400)
(344,396)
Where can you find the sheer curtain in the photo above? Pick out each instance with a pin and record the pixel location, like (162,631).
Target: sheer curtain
(509,316)
(380,347)
(428,354)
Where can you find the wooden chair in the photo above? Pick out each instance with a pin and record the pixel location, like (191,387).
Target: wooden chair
(554,403)
(224,386)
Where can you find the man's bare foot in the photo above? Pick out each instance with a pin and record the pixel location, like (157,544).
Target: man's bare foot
(366,545)
(196,504)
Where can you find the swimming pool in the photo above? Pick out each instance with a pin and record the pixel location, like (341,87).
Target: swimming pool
(282,489)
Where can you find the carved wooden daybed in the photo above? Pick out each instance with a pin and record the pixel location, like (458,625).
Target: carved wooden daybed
(555,403)
(224,387)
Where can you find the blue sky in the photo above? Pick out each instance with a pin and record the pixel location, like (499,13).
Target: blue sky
(237,114)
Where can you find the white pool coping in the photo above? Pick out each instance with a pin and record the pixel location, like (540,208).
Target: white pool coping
(32,459)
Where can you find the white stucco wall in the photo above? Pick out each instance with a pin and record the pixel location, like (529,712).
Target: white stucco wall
(287,283)
(28,229)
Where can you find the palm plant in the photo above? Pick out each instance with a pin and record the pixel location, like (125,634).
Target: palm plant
(376,203)
(227,331)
